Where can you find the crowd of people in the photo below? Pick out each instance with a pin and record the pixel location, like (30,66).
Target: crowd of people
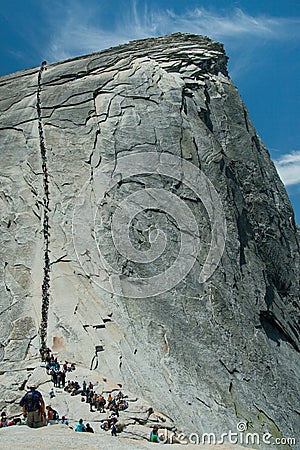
(112,405)
(98,402)
(37,414)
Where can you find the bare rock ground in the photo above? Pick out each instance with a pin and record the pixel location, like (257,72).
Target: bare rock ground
(60,437)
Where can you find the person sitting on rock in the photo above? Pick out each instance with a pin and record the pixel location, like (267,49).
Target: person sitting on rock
(105,425)
(64,420)
(80,426)
(3,420)
(154,434)
(76,388)
(68,387)
(122,405)
(88,428)
(52,415)
(33,408)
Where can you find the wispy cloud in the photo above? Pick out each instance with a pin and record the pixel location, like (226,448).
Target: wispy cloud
(234,23)
(76,33)
(288,167)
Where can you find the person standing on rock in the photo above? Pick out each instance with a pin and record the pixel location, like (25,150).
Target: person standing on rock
(33,408)
(63,378)
(113,430)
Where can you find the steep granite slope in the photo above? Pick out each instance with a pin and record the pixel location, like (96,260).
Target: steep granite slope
(151,134)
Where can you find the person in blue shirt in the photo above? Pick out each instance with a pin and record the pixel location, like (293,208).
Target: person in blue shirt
(33,408)
(80,426)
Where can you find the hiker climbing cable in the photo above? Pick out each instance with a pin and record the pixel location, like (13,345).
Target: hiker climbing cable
(33,408)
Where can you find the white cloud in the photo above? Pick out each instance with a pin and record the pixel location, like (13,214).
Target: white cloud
(288,167)
(75,32)
(232,24)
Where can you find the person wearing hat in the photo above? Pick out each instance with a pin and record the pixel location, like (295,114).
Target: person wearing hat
(33,408)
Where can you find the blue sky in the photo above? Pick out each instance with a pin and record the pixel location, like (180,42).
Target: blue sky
(261,38)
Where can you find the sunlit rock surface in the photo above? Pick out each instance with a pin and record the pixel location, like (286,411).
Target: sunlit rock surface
(207,354)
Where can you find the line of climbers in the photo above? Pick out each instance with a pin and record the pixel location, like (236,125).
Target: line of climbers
(46,232)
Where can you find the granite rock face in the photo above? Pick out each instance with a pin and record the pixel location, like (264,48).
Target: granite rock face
(209,353)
